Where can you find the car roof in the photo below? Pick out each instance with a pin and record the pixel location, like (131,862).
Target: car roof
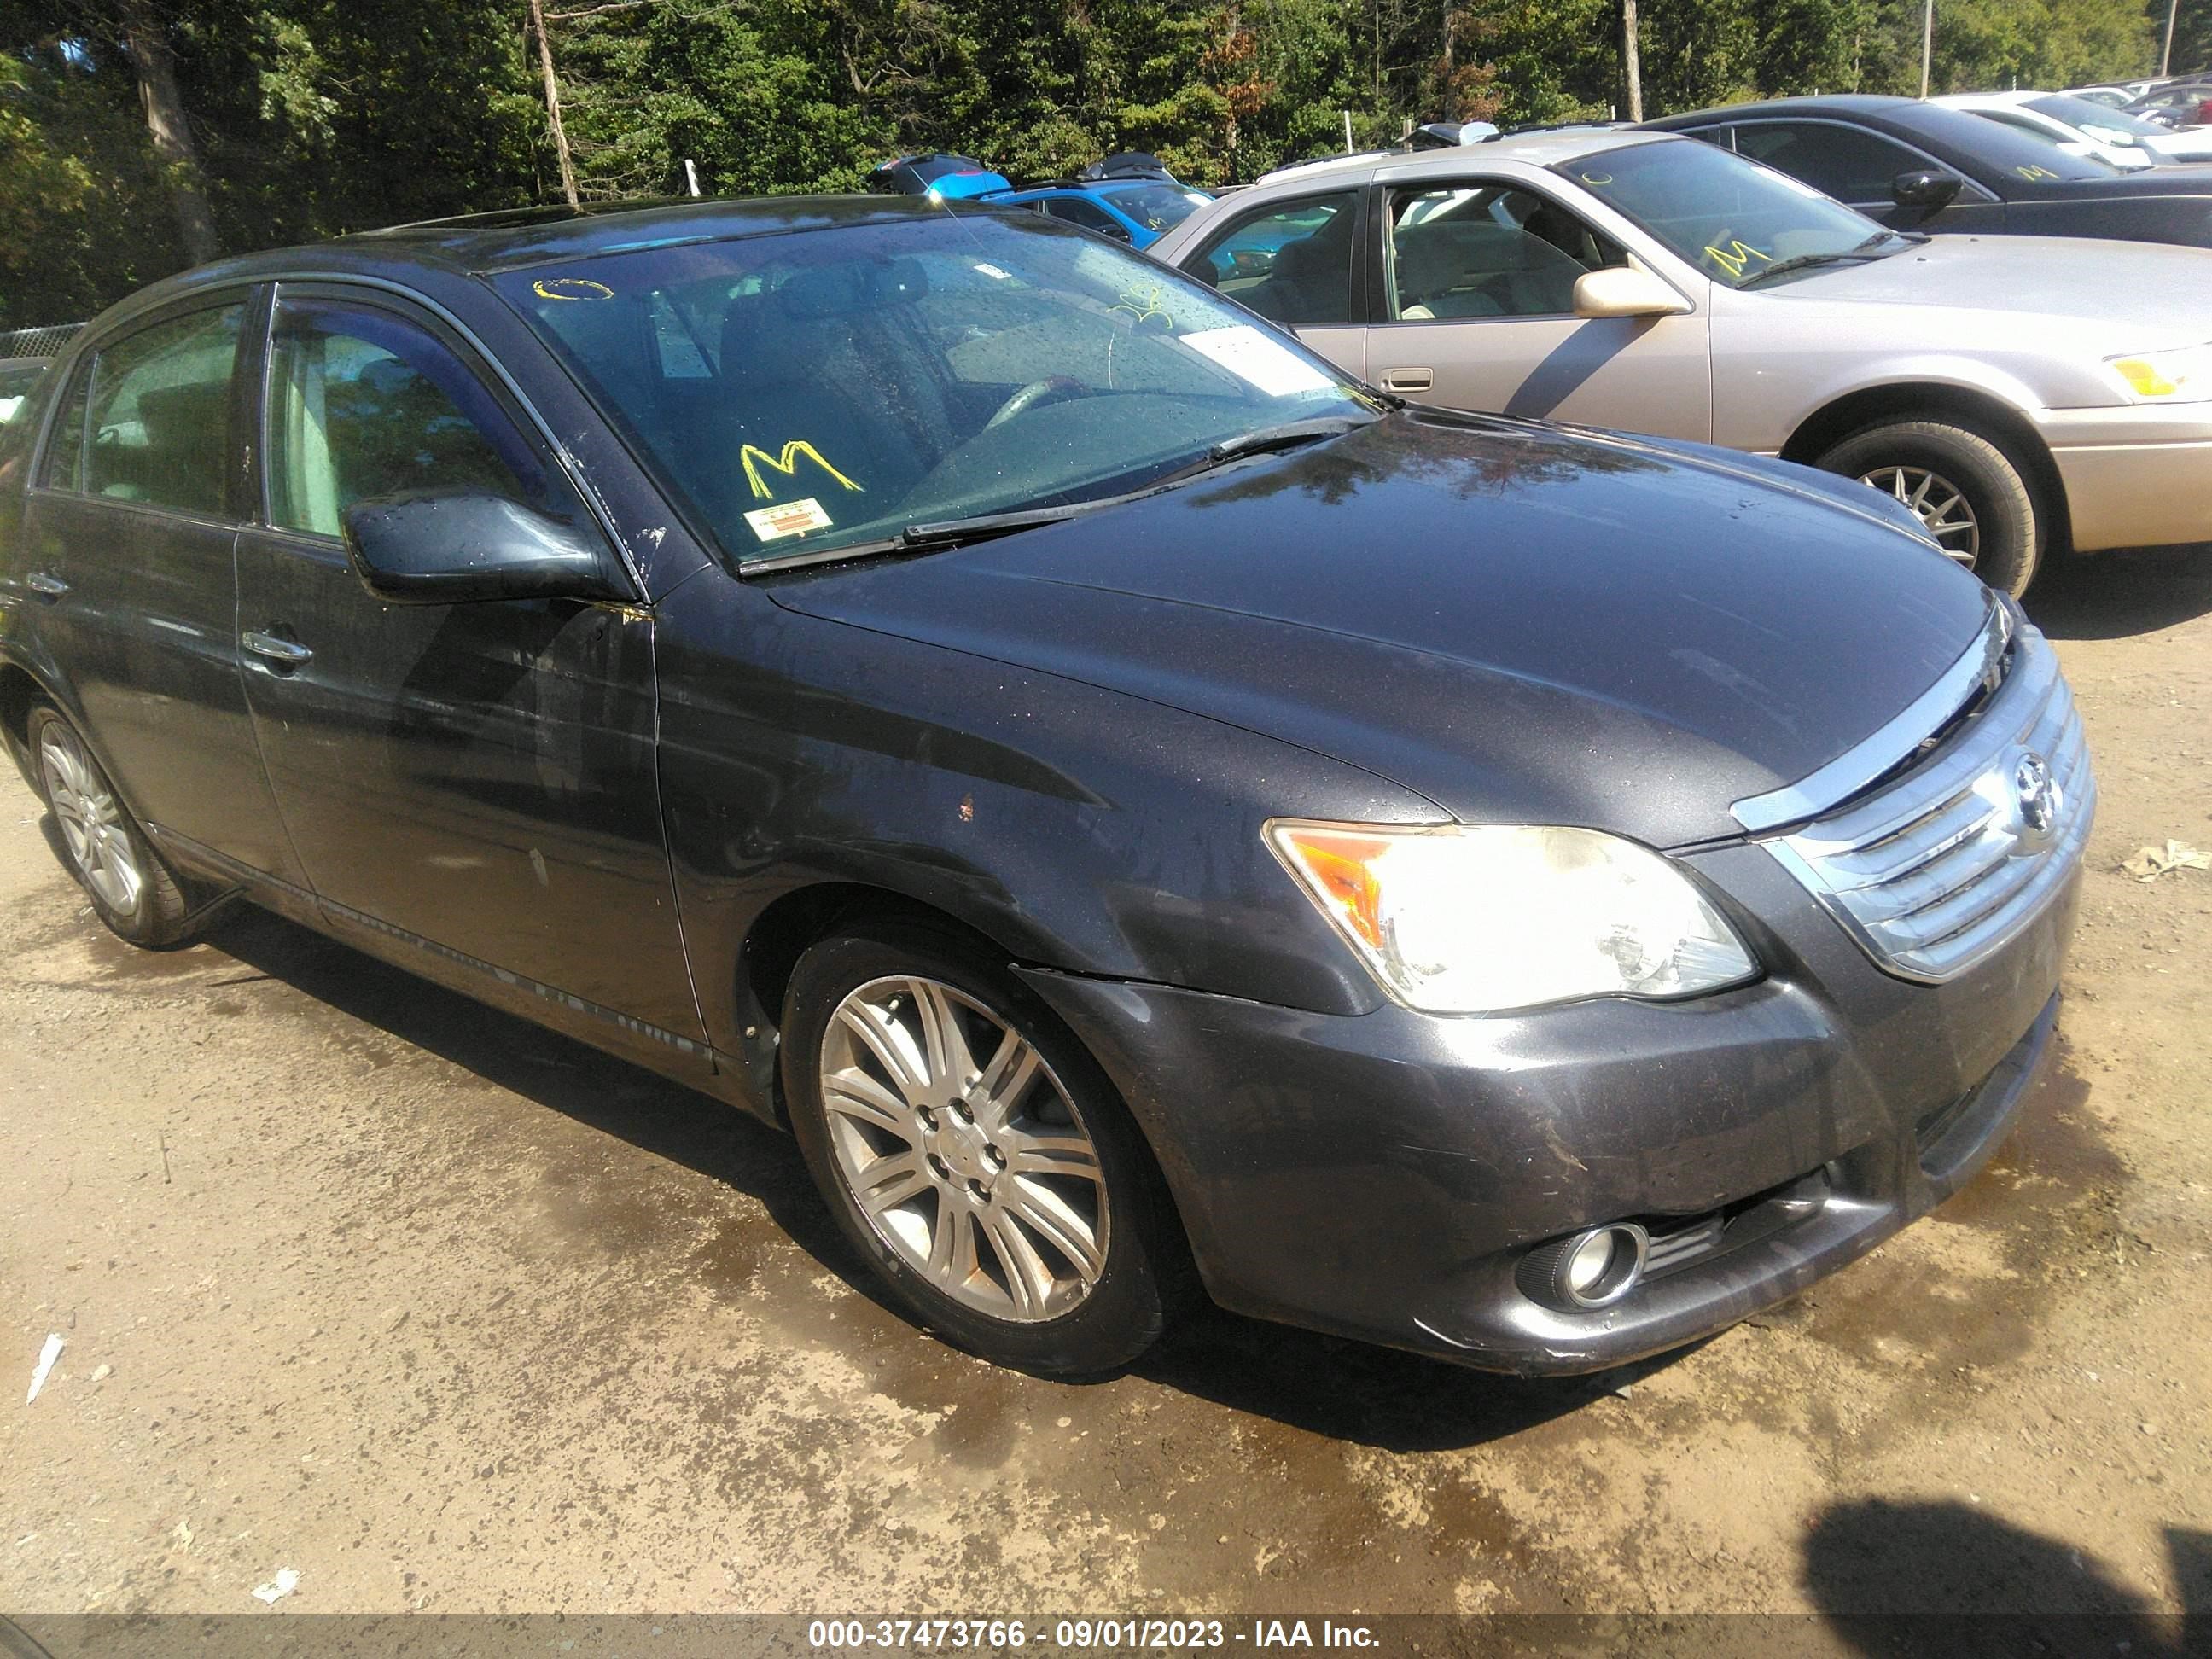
(1540,149)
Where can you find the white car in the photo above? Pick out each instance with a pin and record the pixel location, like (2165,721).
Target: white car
(2082,127)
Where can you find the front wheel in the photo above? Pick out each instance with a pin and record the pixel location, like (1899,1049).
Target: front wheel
(130,887)
(1970,494)
(971,1150)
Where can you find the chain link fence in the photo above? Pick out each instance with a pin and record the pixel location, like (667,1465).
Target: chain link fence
(37,342)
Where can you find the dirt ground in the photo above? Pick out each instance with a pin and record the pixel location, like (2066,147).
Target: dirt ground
(445,1313)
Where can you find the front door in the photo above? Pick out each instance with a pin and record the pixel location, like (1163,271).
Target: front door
(478,779)
(1296,263)
(1479,290)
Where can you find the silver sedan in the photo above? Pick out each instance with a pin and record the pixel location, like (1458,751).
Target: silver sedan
(2021,393)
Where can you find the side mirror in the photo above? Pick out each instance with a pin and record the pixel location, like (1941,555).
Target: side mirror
(1924,187)
(1624,291)
(467,547)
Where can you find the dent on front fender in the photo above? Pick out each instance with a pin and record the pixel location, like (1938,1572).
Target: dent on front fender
(1079,829)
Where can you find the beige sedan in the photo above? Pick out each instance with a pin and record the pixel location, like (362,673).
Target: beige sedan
(2021,393)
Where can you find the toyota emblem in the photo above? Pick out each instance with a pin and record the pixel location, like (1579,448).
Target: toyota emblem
(2037,793)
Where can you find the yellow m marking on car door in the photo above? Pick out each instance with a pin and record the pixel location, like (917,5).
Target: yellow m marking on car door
(755,458)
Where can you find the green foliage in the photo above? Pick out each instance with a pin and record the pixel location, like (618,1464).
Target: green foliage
(311,118)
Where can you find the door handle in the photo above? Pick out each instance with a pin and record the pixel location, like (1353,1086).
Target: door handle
(1409,379)
(285,653)
(45,584)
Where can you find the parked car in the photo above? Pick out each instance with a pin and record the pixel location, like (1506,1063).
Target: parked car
(2182,104)
(1121,792)
(2082,128)
(936,174)
(1136,207)
(1918,166)
(2103,139)
(2021,393)
(17,376)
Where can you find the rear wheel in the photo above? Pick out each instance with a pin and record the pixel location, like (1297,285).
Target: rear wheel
(130,887)
(971,1150)
(1969,493)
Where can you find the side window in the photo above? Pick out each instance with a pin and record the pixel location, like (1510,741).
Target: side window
(1487,250)
(1291,264)
(1850,164)
(1088,214)
(65,467)
(364,403)
(159,413)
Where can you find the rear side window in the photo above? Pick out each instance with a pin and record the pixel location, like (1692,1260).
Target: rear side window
(363,403)
(1292,264)
(159,415)
(64,468)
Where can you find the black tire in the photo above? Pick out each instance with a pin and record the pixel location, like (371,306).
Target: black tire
(1144,1259)
(2012,528)
(156,913)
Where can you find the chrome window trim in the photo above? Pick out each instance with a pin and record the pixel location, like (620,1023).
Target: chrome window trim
(1867,760)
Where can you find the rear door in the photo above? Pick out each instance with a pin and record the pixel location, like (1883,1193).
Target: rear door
(477,779)
(1297,263)
(1478,280)
(129,528)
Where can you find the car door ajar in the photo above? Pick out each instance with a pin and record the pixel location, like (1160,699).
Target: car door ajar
(1478,282)
(479,778)
(129,527)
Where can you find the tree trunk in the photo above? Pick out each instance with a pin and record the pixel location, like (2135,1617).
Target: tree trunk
(146,40)
(553,101)
(1631,64)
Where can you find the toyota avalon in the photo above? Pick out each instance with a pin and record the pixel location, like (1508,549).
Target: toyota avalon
(1144,809)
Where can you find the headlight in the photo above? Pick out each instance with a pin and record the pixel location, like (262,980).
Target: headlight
(2183,376)
(1479,919)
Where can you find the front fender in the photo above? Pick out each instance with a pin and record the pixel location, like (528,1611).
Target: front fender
(1079,828)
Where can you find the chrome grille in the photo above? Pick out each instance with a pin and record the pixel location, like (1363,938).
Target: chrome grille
(1935,870)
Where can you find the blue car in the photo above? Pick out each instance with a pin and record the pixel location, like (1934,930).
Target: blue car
(1138,211)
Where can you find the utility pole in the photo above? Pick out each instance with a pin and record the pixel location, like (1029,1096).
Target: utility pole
(1631,65)
(2165,52)
(553,102)
(1927,40)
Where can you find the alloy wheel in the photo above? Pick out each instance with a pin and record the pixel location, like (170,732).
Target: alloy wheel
(1942,508)
(91,820)
(962,1149)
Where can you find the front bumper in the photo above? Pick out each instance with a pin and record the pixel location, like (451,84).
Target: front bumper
(2138,475)
(1381,1176)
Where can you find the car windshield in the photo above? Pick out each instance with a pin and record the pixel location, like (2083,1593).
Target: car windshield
(1159,207)
(841,385)
(2016,155)
(2095,118)
(1734,218)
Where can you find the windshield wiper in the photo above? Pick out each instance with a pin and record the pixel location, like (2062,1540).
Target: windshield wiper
(1807,261)
(959,532)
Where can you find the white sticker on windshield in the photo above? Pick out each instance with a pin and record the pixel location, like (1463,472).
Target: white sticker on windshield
(991,270)
(787,519)
(1251,357)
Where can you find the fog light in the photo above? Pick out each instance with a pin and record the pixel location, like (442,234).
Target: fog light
(1590,1269)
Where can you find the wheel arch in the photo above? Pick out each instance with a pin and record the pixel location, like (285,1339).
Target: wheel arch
(1903,400)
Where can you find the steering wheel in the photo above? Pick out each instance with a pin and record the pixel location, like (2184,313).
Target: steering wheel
(1029,396)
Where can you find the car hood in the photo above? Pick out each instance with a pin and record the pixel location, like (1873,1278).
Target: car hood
(1522,622)
(2140,290)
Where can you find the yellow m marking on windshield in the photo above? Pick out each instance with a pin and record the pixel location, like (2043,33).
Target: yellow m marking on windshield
(1736,256)
(755,458)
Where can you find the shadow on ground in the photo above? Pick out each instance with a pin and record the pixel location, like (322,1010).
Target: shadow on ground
(1340,1390)
(2110,595)
(1950,1578)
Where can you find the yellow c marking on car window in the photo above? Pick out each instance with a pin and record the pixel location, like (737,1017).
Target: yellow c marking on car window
(2034,172)
(1143,304)
(1737,256)
(755,458)
(570,288)
(1597,177)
